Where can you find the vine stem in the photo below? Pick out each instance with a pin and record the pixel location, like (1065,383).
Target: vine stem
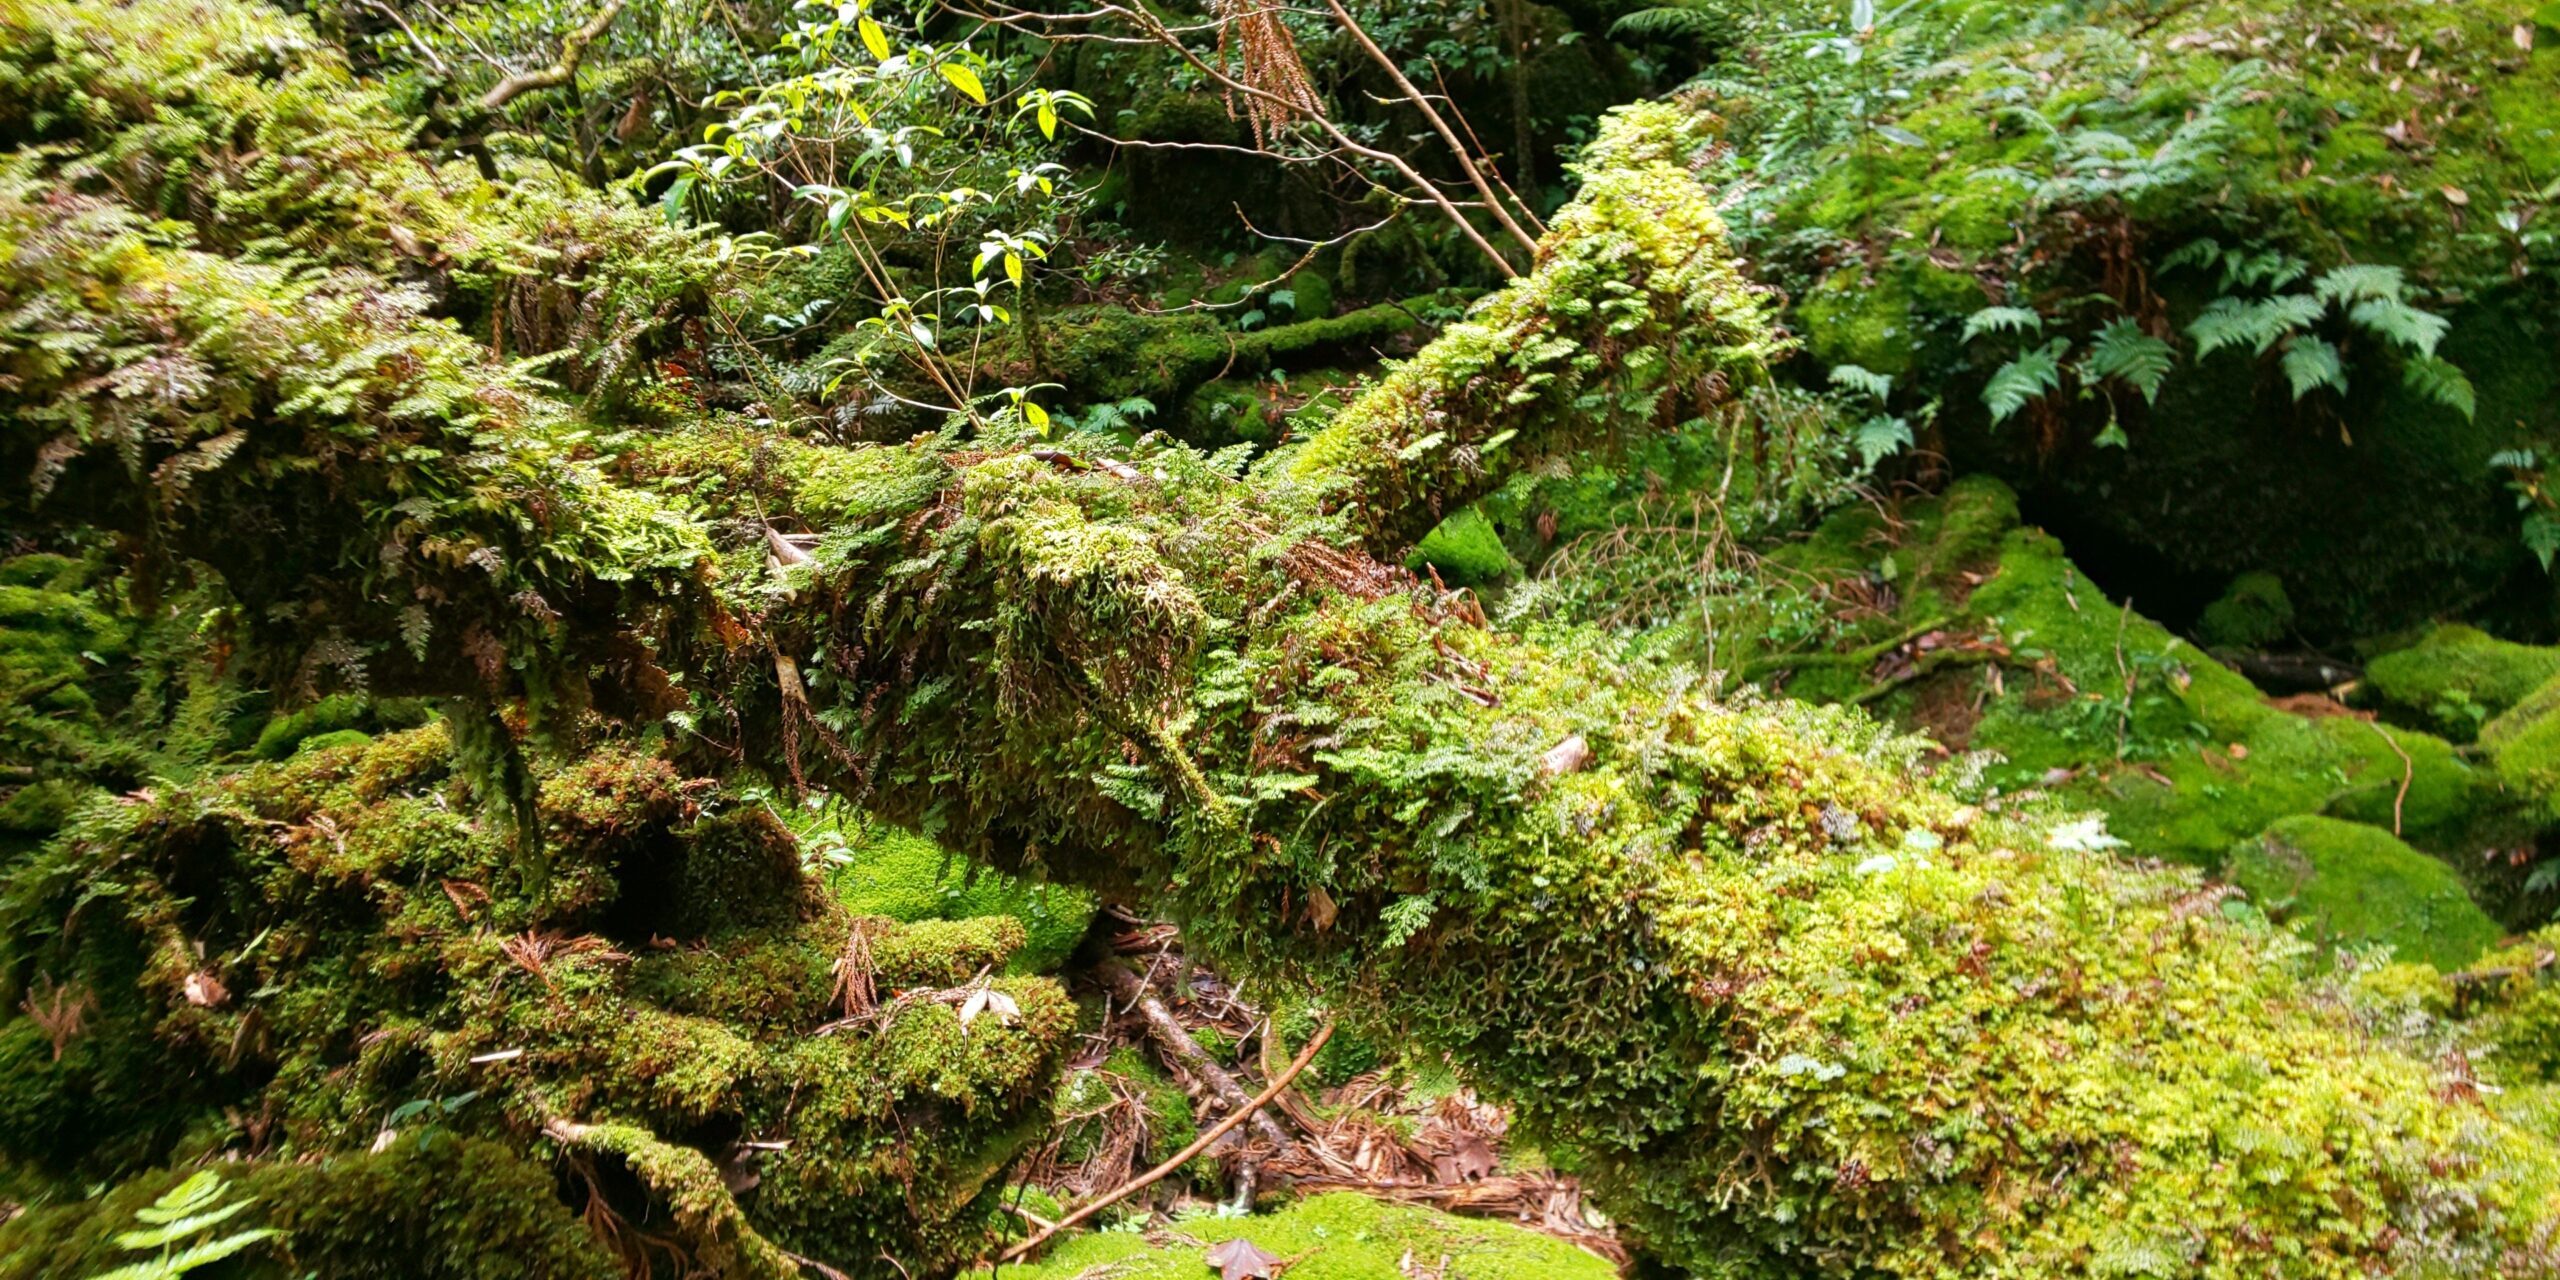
(1182,1157)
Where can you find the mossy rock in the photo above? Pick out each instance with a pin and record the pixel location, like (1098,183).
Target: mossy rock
(908,878)
(1340,1236)
(2190,761)
(443,1207)
(2253,614)
(2523,744)
(2349,883)
(2455,678)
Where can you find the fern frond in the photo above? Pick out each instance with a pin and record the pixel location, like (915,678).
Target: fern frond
(2002,320)
(2122,350)
(2391,318)
(1670,23)
(2437,379)
(2257,324)
(2311,363)
(2022,380)
(2357,282)
(1858,378)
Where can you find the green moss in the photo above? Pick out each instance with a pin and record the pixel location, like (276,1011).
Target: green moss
(2350,883)
(1466,551)
(370,942)
(2252,614)
(2456,677)
(906,877)
(2523,744)
(444,1207)
(1340,1236)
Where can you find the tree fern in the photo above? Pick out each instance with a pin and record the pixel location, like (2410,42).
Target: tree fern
(2024,379)
(2311,363)
(2123,351)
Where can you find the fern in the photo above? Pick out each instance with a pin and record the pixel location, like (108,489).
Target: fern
(2024,379)
(2311,363)
(2437,379)
(1670,23)
(1881,437)
(1858,378)
(2357,282)
(2391,318)
(2002,320)
(2258,324)
(2122,350)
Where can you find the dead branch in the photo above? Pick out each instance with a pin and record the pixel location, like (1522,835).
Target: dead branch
(1183,1054)
(1182,1157)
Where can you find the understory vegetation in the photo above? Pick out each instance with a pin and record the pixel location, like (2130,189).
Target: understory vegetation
(1390,641)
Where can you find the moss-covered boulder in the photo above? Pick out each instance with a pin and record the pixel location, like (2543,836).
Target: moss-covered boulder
(1340,1236)
(2455,678)
(2352,883)
(2523,744)
(1994,641)
(282,959)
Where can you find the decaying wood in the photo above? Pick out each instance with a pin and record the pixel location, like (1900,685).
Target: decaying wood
(1183,1054)
(1182,1157)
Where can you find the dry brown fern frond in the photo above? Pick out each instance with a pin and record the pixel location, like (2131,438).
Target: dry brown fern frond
(1256,43)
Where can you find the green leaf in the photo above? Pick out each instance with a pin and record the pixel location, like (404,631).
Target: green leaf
(2002,320)
(2122,350)
(874,39)
(2311,363)
(2439,380)
(964,80)
(2022,380)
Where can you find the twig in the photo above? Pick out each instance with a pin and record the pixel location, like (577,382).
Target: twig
(1182,1157)
(2408,772)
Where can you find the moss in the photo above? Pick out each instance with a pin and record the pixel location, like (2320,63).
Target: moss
(1465,550)
(2252,613)
(2350,883)
(906,877)
(447,1208)
(2284,147)
(2456,677)
(1340,1236)
(336,714)
(661,982)
(2523,744)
